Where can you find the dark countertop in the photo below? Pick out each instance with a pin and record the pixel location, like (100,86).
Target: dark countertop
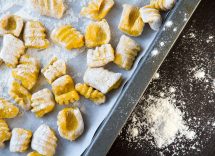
(194,50)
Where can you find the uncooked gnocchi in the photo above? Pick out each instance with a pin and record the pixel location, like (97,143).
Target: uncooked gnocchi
(7,109)
(34,154)
(162,4)
(5,133)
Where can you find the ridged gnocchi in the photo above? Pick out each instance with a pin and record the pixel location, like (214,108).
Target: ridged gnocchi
(152,16)
(20,95)
(68,37)
(55,69)
(42,102)
(102,79)
(11,54)
(34,154)
(11,24)
(27,71)
(5,133)
(64,90)
(35,35)
(97,33)
(97,9)
(131,22)
(162,4)
(44,141)
(70,123)
(7,109)
(52,8)
(126,52)
(100,56)
(20,140)
(90,93)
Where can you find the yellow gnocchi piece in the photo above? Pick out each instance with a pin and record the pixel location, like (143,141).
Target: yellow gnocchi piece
(42,102)
(55,69)
(7,109)
(34,35)
(68,37)
(20,140)
(70,123)
(64,91)
(52,8)
(20,94)
(100,56)
(34,154)
(12,49)
(11,24)
(126,52)
(97,33)
(97,9)
(44,141)
(131,22)
(27,71)
(163,5)
(90,93)
(5,133)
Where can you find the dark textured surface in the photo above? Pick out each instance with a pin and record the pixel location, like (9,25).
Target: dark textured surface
(188,52)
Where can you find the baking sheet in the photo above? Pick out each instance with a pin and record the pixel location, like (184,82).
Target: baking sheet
(93,115)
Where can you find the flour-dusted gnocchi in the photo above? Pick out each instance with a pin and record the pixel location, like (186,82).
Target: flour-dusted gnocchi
(52,8)
(55,69)
(64,90)
(126,52)
(97,9)
(102,79)
(90,93)
(44,141)
(34,35)
(163,5)
(131,22)
(7,109)
(34,154)
(97,33)
(11,24)
(27,71)
(20,140)
(152,16)
(70,123)
(20,94)
(68,37)
(11,53)
(5,133)
(100,56)
(42,102)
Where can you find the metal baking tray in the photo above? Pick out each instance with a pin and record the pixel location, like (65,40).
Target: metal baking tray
(135,87)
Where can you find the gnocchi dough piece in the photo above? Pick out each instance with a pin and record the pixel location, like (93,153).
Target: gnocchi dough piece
(64,90)
(11,53)
(34,154)
(20,95)
(27,71)
(100,56)
(7,109)
(11,24)
(90,93)
(97,9)
(55,69)
(68,37)
(151,16)
(102,79)
(34,35)
(126,52)
(44,141)
(20,140)
(70,123)
(42,102)
(131,22)
(97,33)
(5,133)
(163,5)
(52,8)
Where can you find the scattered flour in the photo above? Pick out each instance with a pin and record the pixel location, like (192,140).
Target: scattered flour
(169,24)
(154,52)
(162,44)
(199,74)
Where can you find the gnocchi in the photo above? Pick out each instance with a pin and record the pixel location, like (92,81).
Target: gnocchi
(34,154)
(7,109)
(162,4)
(5,133)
